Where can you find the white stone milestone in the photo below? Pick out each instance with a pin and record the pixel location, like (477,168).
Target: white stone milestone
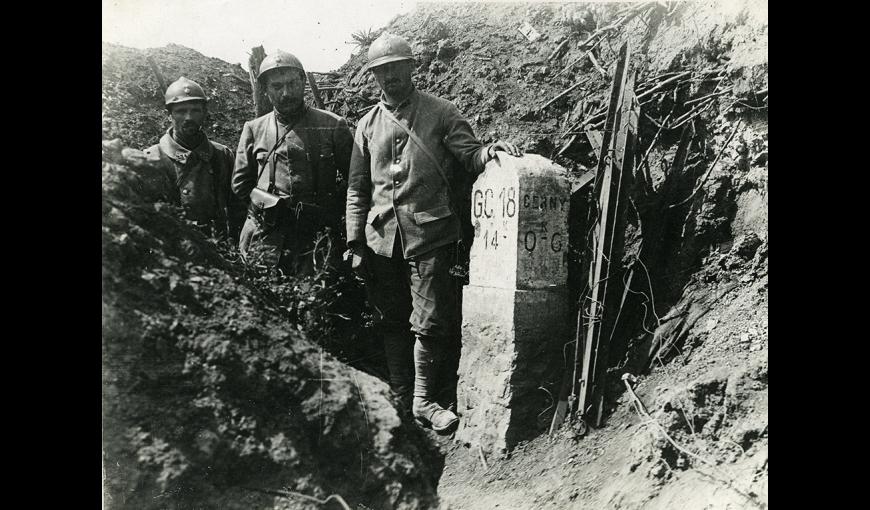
(515,306)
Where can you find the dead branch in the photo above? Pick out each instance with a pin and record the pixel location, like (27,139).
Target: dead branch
(287,493)
(559,49)
(651,145)
(597,66)
(692,114)
(670,80)
(482,458)
(708,96)
(710,169)
(578,59)
(561,94)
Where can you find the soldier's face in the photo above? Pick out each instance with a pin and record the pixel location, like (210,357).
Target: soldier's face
(394,78)
(187,118)
(286,90)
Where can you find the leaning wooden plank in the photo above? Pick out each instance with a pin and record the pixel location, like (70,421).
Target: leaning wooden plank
(623,167)
(598,264)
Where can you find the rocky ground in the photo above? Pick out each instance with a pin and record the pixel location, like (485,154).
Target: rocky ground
(208,368)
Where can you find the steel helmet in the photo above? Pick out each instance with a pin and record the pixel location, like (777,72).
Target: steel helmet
(183,90)
(279,59)
(388,48)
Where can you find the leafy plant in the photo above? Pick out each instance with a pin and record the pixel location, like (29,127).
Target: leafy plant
(364,38)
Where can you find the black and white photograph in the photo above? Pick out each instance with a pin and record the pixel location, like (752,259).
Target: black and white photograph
(447,255)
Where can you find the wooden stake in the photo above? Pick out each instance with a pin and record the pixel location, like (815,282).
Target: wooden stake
(262,106)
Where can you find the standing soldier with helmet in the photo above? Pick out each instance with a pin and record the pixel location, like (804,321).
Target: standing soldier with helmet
(289,163)
(201,169)
(403,227)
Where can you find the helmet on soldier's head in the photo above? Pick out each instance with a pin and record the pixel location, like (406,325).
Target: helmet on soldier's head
(388,48)
(277,60)
(183,90)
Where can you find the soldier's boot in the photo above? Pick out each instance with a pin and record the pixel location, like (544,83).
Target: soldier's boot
(428,357)
(399,351)
(448,377)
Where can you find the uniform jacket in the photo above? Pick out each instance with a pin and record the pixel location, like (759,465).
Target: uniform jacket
(394,186)
(202,181)
(294,177)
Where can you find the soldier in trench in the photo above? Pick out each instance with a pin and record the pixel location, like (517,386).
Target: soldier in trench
(197,170)
(403,227)
(290,163)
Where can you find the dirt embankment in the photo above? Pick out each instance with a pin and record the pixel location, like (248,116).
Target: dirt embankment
(133,101)
(210,391)
(211,397)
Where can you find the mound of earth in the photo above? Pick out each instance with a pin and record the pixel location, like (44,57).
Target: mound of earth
(211,397)
(133,100)
(214,398)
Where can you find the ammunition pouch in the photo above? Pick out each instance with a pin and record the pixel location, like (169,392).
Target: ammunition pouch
(266,208)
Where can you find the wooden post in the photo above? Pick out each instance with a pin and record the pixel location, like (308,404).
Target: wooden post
(262,106)
(315,91)
(609,186)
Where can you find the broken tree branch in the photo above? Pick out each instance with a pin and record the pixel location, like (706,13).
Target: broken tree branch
(578,59)
(662,84)
(597,66)
(651,145)
(287,494)
(710,169)
(708,96)
(687,117)
(559,49)
(561,94)
(482,458)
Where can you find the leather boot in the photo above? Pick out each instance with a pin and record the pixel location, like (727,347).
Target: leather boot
(399,351)
(428,356)
(448,376)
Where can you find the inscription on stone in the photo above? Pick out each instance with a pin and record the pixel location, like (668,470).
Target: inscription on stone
(519,211)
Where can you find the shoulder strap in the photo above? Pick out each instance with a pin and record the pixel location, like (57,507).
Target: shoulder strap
(314,151)
(420,144)
(274,148)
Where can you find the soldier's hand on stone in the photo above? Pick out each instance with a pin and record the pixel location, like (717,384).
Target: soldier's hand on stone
(501,145)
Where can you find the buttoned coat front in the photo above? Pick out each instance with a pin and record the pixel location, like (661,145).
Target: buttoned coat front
(315,130)
(202,182)
(395,188)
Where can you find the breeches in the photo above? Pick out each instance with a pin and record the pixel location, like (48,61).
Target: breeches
(419,291)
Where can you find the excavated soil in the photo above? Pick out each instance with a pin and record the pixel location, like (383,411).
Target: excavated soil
(208,393)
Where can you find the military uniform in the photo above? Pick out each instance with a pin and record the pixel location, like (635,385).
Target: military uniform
(202,183)
(399,206)
(306,170)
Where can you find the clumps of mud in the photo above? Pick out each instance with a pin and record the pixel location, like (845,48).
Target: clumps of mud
(211,397)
